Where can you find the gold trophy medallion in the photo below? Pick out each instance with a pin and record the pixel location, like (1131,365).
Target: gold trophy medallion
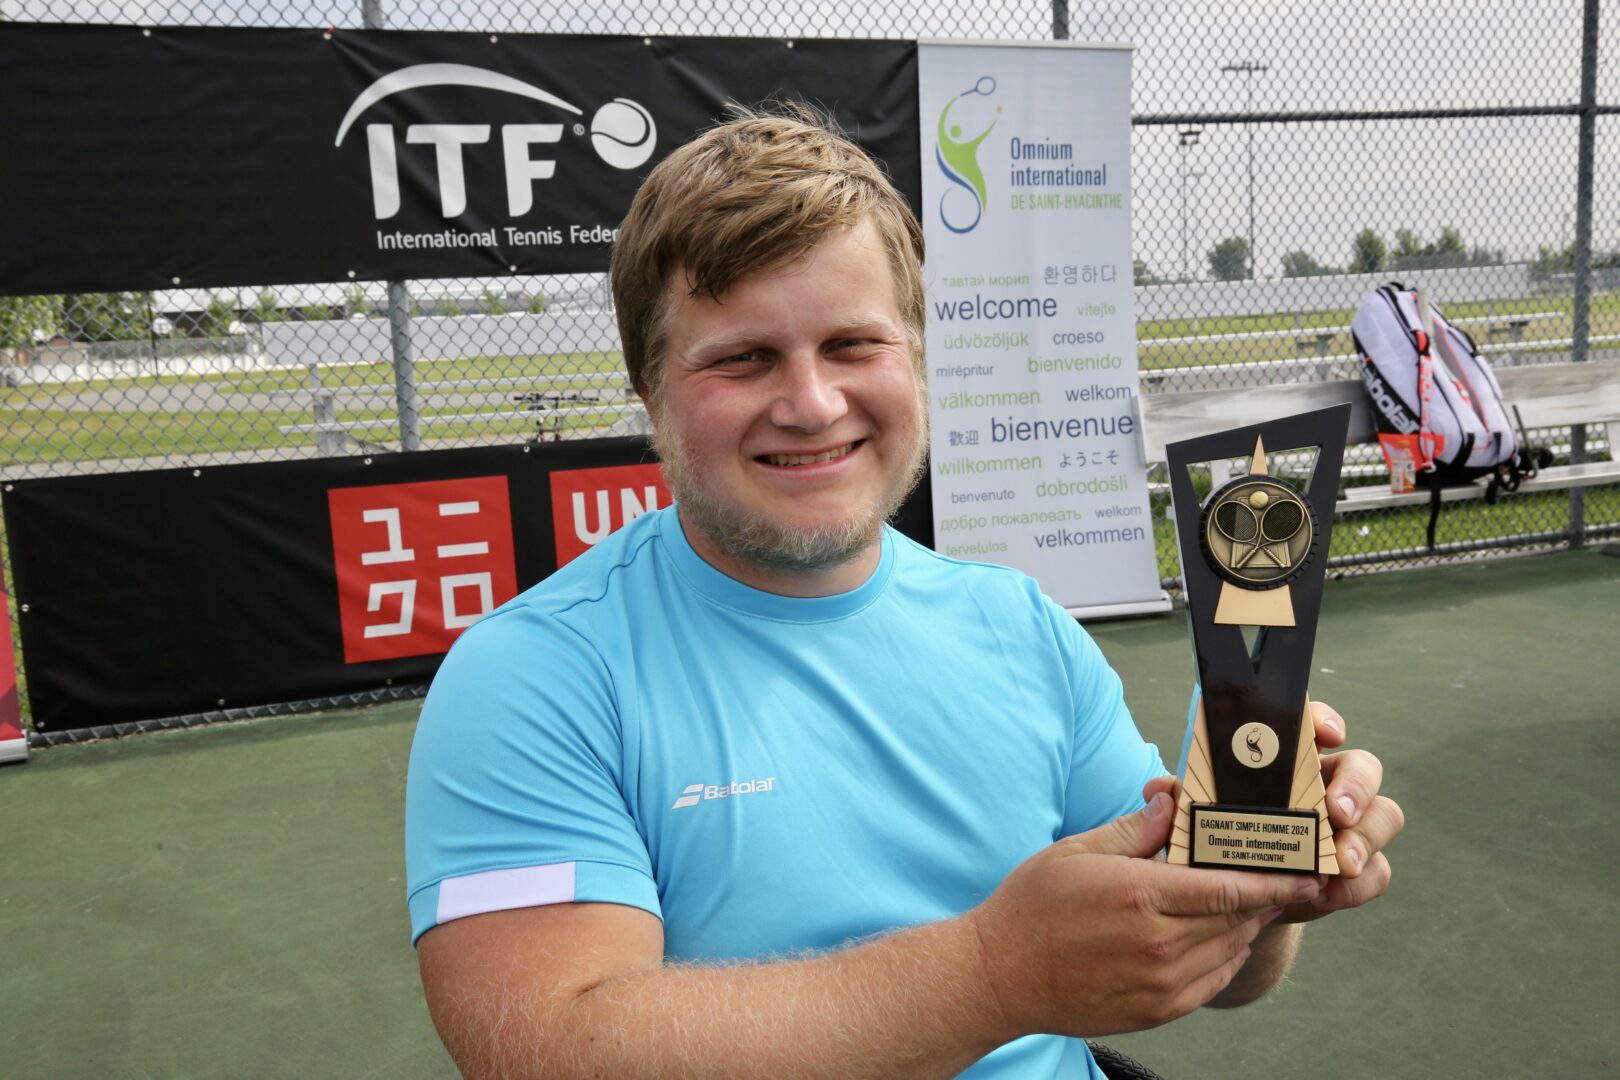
(1258,532)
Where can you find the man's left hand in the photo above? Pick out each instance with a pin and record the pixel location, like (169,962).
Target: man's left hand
(1364,822)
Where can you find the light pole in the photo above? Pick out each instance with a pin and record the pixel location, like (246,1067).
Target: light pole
(1184,138)
(1192,183)
(1248,68)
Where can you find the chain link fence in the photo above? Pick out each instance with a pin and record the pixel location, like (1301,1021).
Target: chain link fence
(1284,158)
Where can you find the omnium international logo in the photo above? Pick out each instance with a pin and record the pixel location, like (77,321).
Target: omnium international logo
(961,208)
(622,133)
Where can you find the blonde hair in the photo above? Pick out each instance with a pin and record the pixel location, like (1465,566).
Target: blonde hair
(747,195)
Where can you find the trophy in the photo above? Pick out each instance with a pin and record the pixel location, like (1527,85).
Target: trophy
(1253,554)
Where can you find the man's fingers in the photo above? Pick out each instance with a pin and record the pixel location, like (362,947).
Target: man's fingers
(1328,723)
(1167,784)
(1195,891)
(1347,892)
(1381,823)
(1139,835)
(1204,988)
(1353,780)
(1206,928)
(1364,871)
(1183,976)
(1216,952)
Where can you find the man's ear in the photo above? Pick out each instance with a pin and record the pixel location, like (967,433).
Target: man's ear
(647,401)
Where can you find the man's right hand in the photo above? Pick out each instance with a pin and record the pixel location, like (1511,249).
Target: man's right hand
(1093,936)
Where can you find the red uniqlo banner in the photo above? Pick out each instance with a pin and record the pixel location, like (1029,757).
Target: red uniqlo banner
(417,563)
(588,504)
(10,707)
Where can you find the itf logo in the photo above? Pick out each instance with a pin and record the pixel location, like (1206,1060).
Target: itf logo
(962,206)
(622,134)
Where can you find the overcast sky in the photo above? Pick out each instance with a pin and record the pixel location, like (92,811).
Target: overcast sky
(1505,183)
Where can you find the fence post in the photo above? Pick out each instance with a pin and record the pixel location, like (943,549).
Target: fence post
(330,440)
(1583,252)
(1060,20)
(399,337)
(406,405)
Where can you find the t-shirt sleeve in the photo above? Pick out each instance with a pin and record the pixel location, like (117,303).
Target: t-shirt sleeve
(515,795)
(1110,760)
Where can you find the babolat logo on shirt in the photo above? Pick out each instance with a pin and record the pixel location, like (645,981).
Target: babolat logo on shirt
(692,794)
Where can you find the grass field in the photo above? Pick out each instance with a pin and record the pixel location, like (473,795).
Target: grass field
(1604,307)
(379,375)
(1604,319)
(180,416)
(157,417)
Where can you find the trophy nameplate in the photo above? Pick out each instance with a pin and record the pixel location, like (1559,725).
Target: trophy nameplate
(1254,554)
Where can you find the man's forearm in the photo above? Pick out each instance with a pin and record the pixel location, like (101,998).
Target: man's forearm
(911,1004)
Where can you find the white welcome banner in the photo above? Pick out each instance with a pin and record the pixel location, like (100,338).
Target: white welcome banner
(1036,459)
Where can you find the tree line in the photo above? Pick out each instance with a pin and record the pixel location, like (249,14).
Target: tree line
(1371,253)
(131,316)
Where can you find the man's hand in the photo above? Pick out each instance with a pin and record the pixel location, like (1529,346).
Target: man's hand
(1093,936)
(1364,822)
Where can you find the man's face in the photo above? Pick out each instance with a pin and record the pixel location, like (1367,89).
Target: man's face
(790,418)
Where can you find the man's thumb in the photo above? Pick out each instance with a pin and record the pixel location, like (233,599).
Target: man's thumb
(1139,835)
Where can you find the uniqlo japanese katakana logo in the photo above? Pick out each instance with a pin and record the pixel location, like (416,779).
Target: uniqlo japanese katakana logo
(588,504)
(419,563)
(10,707)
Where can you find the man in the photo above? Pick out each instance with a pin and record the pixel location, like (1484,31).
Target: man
(758,786)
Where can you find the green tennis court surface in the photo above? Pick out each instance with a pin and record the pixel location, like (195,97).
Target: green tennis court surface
(229,901)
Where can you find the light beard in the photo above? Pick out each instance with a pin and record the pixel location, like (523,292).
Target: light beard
(756,540)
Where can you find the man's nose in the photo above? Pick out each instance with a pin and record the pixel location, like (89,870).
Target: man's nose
(810,397)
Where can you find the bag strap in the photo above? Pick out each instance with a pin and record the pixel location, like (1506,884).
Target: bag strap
(1420,339)
(1447,356)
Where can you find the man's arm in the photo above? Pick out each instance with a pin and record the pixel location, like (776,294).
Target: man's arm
(581,990)
(1364,823)
(1087,937)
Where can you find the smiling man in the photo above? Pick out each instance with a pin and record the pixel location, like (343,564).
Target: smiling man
(788,416)
(757,786)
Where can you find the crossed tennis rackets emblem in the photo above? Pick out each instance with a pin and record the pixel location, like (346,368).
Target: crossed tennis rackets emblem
(1258,532)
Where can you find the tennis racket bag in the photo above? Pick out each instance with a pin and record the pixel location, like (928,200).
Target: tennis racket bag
(1435,401)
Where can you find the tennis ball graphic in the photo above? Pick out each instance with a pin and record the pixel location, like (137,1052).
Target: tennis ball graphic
(623,134)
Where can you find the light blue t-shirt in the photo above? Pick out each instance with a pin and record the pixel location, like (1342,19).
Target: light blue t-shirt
(766,774)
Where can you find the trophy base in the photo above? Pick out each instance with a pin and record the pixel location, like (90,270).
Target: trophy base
(1252,838)
(1198,790)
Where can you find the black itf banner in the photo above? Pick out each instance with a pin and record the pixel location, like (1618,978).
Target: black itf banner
(151,158)
(153,594)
